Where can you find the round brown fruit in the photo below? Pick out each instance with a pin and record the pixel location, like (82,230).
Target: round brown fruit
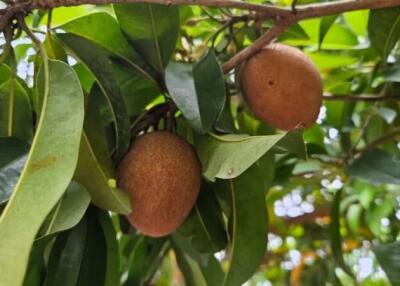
(282,87)
(162,174)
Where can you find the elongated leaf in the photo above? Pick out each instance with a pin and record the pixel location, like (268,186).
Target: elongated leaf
(228,156)
(388,256)
(145,259)
(51,162)
(293,142)
(198,91)
(190,269)
(33,276)
(335,236)
(248,218)
(12,148)
(66,257)
(207,272)
(98,63)
(152,30)
(210,88)
(376,166)
(15,111)
(69,210)
(204,226)
(384,29)
(9,175)
(94,260)
(324,26)
(94,170)
(102,29)
(112,267)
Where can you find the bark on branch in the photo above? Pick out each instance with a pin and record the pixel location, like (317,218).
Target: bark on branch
(283,16)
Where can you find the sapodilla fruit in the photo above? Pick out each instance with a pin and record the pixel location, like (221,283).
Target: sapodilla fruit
(162,175)
(282,87)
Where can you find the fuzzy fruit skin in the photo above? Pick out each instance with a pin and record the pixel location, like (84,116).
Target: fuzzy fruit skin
(282,87)
(162,174)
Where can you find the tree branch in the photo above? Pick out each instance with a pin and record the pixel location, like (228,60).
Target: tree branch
(373,98)
(283,16)
(306,12)
(385,137)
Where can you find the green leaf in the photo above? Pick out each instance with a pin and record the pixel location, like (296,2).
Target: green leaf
(54,49)
(190,269)
(293,142)
(376,213)
(152,30)
(15,111)
(36,264)
(324,26)
(198,90)
(51,162)
(228,156)
(9,175)
(101,28)
(388,256)
(384,29)
(66,256)
(335,236)
(98,63)
(204,226)
(94,169)
(145,259)
(94,260)
(12,148)
(209,273)
(68,212)
(248,218)
(376,166)
(112,267)
(137,91)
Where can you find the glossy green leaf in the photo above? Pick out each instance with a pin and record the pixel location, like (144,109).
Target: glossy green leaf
(293,142)
(208,273)
(145,259)
(54,49)
(388,256)
(101,28)
(198,90)
(66,256)
(94,260)
(68,212)
(113,263)
(137,91)
(97,62)
(152,30)
(204,225)
(248,218)
(94,169)
(324,26)
(51,162)
(36,264)
(12,148)
(384,29)
(9,175)
(228,156)
(335,236)
(376,166)
(15,111)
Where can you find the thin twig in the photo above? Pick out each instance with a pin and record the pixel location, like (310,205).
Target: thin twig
(384,138)
(361,97)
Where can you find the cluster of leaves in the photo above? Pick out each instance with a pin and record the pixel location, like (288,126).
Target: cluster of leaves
(66,120)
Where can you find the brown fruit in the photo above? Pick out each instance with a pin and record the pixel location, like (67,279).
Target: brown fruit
(162,174)
(282,87)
